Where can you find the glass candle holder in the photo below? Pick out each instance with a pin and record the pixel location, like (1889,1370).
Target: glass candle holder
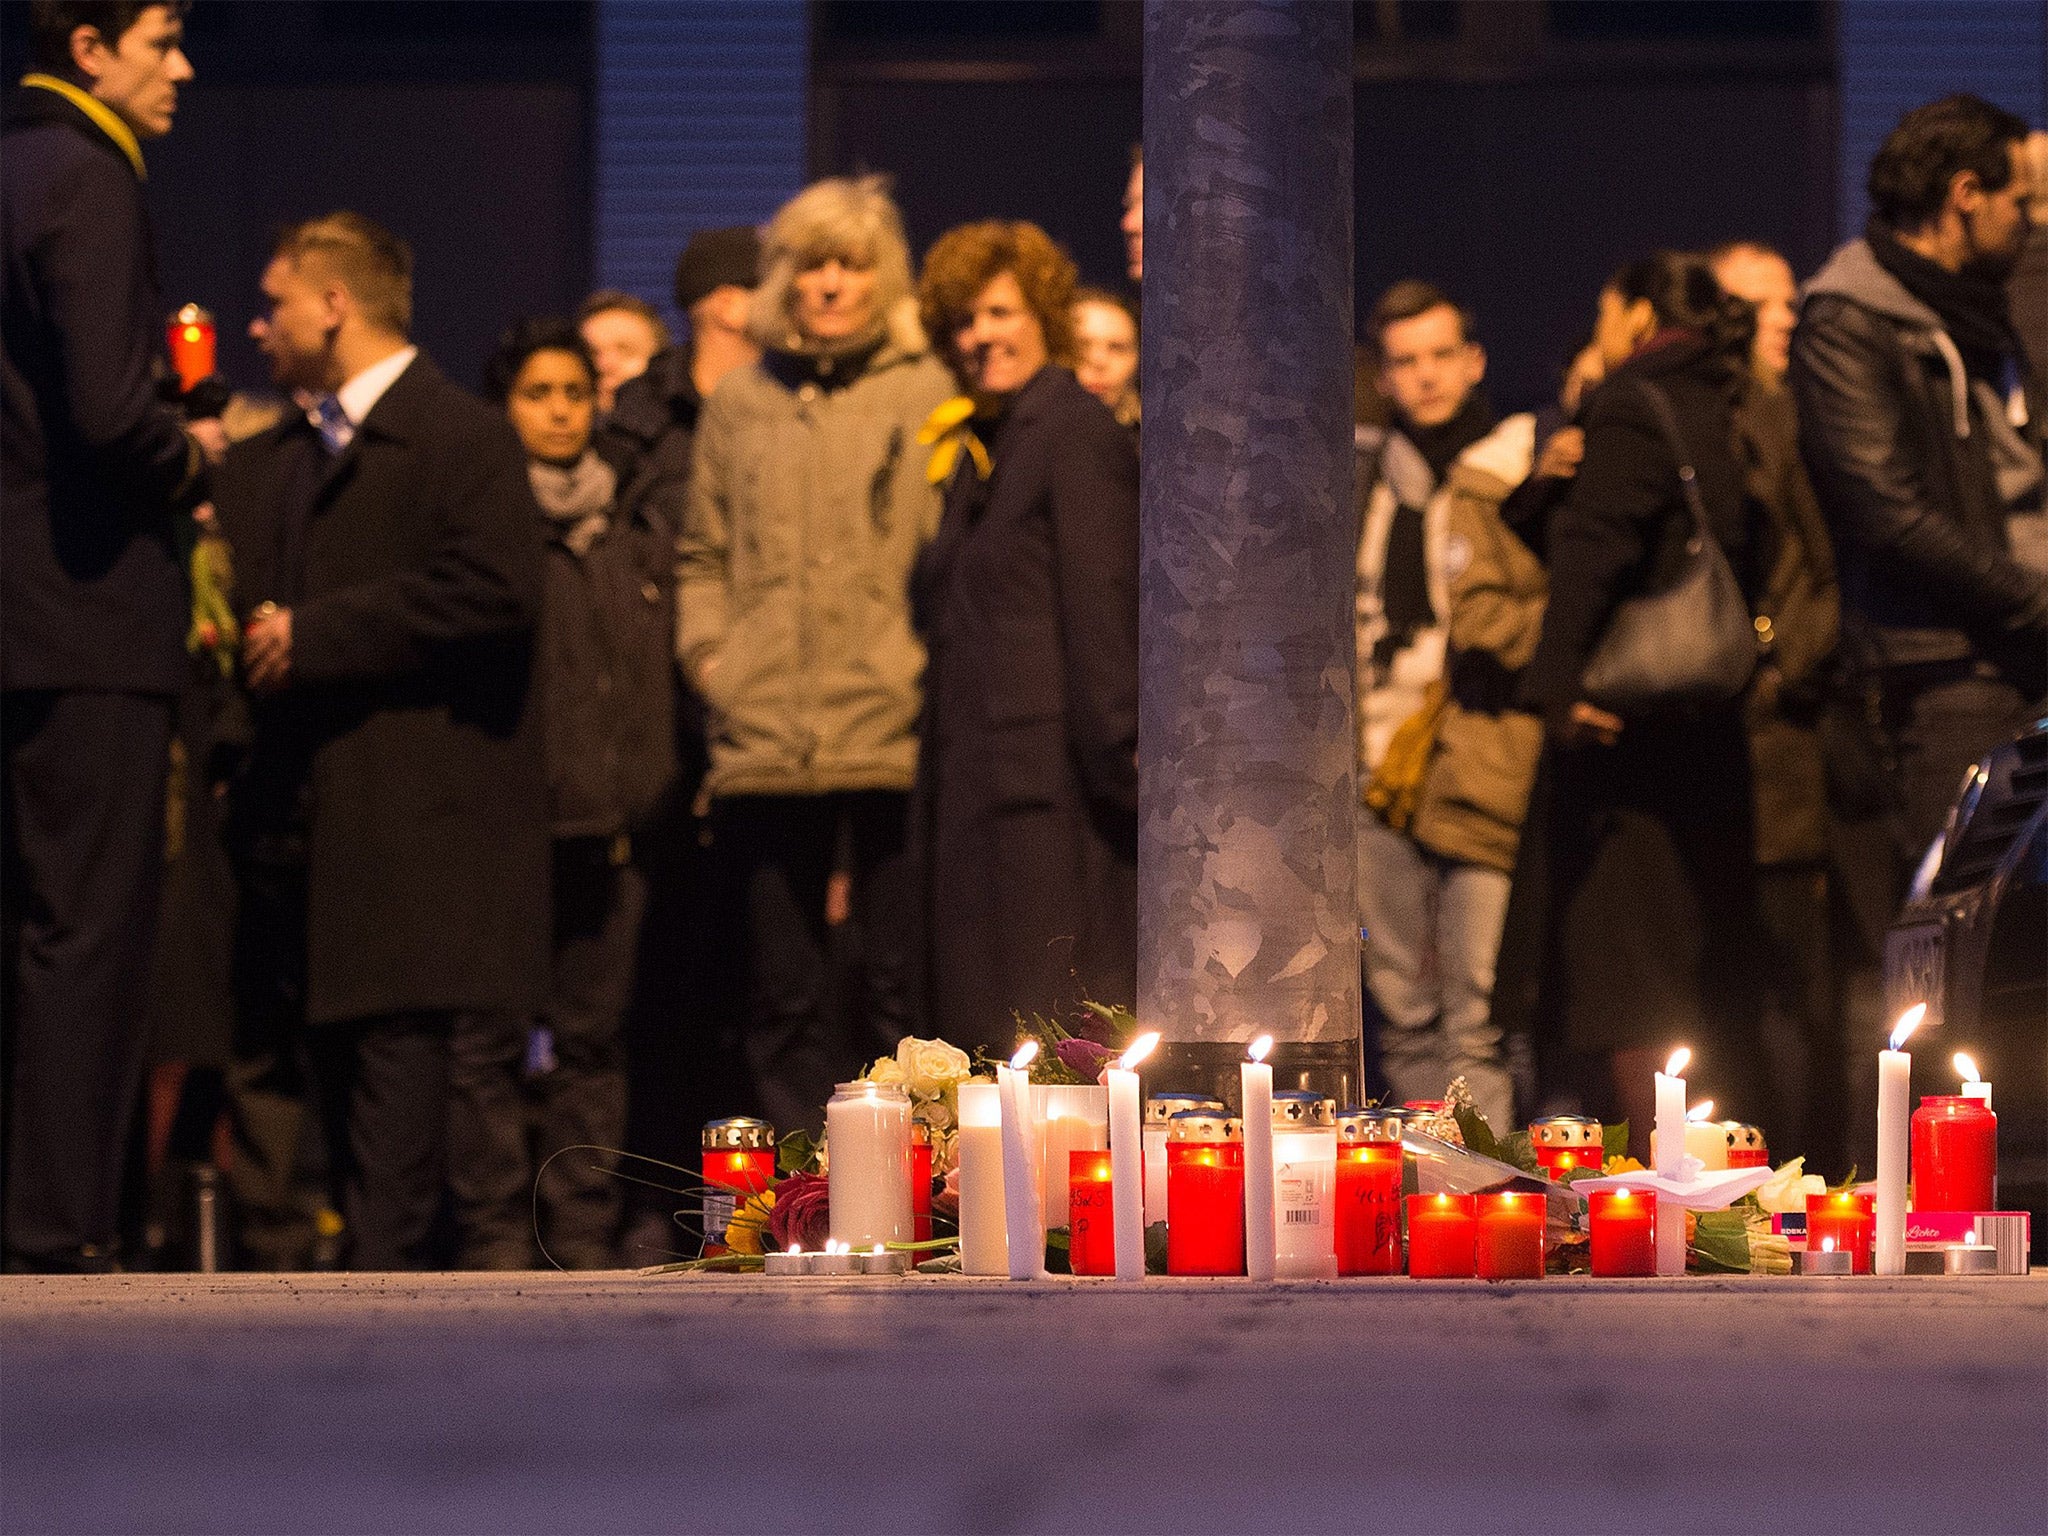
(738,1163)
(1204,1195)
(1623,1225)
(1955,1154)
(1091,1214)
(921,1181)
(1160,1108)
(1564,1142)
(189,338)
(1746,1146)
(1443,1236)
(867,1125)
(1849,1220)
(1510,1236)
(1368,1192)
(1068,1118)
(1304,1186)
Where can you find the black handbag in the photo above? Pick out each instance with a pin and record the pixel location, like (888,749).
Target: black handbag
(1692,643)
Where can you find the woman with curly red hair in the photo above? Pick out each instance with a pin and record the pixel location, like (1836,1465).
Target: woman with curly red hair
(1028,602)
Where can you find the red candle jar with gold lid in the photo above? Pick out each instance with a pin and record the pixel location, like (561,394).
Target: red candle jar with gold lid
(1955,1154)
(1746,1146)
(189,338)
(1368,1192)
(1204,1194)
(1564,1142)
(739,1162)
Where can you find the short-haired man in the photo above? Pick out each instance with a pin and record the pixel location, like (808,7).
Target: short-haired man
(93,608)
(623,333)
(1912,422)
(1432,922)
(389,571)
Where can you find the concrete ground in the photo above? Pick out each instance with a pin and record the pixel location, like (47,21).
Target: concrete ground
(492,1403)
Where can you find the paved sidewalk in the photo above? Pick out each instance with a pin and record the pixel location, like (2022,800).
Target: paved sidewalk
(493,1403)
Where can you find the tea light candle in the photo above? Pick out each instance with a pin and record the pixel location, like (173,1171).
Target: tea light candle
(1368,1192)
(1510,1237)
(1842,1221)
(1969,1259)
(1091,1214)
(1894,1107)
(1443,1236)
(1973,1085)
(867,1126)
(1023,1232)
(837,1259)
(1826,1260)
(1261,1236)
(1160,1109)
(1622,1224)
(794,1262)
(984,1239)
(1667,1155)
(1204,1195)
(879,1261)
(1127,1158)
(1955,1154)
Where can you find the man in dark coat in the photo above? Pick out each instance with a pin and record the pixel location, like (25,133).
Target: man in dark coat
(391,576)
(96,470)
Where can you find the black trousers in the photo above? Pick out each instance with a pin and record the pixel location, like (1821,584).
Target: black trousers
(83,869)
(780,851)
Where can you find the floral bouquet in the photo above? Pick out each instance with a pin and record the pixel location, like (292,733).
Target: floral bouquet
(931,1072)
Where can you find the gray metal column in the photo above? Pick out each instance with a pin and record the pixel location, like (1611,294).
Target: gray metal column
(1247,916)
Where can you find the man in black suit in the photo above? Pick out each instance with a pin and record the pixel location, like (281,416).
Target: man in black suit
(389,566)
(95,476)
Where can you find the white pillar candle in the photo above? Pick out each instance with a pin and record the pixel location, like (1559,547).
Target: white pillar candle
(1127,1159)
(1974,1087)
(1705,1139)
(1894,1120)
(1261,1240)
(1667,1155)
(867,1128)
(984,1239)
(1025,1232)
(1070,1119)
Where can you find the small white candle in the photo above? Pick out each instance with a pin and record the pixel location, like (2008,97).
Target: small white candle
(1894,1120)
(1261,1238)
(794,1262)
(1668,1156)
(1974,1087)
(1023,1227)
(984,1239)
(1127,1159)
(837,1259)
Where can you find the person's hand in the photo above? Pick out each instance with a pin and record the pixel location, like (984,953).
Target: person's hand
(267,649)
(1587,369)
(211,437)
(1587,725)
(1560,457)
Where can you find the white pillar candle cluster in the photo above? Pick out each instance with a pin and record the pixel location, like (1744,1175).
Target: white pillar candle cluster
(1261,1240)
(1127,1159)
(984,1240)
(867,1129)
(1894,1123)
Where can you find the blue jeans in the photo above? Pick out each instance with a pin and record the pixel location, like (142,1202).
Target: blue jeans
(1432,932)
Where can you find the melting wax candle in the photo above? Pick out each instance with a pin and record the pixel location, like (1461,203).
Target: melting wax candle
(1894,1108)
(1261,1233)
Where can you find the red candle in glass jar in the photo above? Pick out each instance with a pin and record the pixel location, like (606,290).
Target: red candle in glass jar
(1204,1196)
(1368,1209)
(921,1182)
(189,337)
(1510,1237)
(1564,1142)
(1955,1154)
(739,1161)
(1746,1148)
(1850,1219)
(1443,1236)
(1623,1224)
(1091,1214)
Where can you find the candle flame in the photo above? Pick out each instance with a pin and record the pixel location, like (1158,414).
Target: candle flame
(1141,1047)
(1260,1047)
(1827,1245)
(1909,1021)
(1699,1111)
(1676,1065)
(796,1247)
(1968,1067)
(1026,1054)
(876,1249)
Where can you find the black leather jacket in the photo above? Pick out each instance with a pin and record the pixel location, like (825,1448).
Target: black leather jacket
(1917,469)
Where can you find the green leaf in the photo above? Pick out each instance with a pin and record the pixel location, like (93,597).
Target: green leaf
(1059,1259)
(796,1153)
(1720,1242)
(1613,1141)
(1477,1133)
(1516,1148)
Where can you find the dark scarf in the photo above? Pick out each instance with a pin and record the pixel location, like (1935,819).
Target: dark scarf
(1441,445)
(1971,305)
(575,498)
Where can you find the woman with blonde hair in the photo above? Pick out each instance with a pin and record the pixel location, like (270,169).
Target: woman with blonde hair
(1028,600)
(808,505)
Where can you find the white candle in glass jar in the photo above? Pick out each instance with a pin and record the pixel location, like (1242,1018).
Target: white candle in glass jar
(984,1242)
(1305,1201)
(1261,1241)
(867,1132)
(1894,1121)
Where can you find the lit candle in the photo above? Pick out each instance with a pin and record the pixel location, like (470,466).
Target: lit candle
(1204,1195)
(1443,1236)
(837,1259)
(1974,1087)
(1622,1224)
(1160,1108)
(1127,1158)
(794,1262)
(1894,1110)
(1667,1154)
(1843,1221)
(879,1261)
(921,1181)
(1304,1187)
(1510,1237)
(1261,1240)
(1706,1139)
(1955,1154)
(1023,1230)
(1368,1192)
(1091,1214)
(738,1163)
(867,1126)
(984,1238)
(1746,1145)
(189,335)
(1069,1118)
(1826,1260)
(1564,1142)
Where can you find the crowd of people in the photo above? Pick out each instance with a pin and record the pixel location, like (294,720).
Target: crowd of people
(805,648)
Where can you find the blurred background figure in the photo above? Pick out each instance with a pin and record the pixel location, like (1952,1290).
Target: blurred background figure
(623,333)
(1106,351)
(808,504)
(1028,600)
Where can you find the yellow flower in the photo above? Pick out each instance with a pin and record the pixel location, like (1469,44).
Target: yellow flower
(947,433)
(747,1231)
(1621,1165)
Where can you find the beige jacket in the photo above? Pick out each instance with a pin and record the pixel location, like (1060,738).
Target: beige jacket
(807,507)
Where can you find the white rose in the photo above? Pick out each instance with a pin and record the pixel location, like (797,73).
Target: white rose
(930,1067)
(1786,1190)
(885,1070)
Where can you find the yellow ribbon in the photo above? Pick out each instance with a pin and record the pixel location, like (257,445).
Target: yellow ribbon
(108,120)
(947,433)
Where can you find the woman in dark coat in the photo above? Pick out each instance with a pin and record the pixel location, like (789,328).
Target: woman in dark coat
(1028,601)
(1637,878)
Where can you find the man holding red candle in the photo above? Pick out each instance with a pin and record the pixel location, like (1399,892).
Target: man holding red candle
(96,470)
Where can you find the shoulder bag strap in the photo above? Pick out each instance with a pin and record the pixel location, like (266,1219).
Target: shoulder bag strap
(1667,422)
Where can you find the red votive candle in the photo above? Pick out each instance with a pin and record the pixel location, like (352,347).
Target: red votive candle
(1746,1147)
(1564,1142)
(1091,1214)
(1368,1209)
(189,337)
(1847,1217)
(1443,1236)
(1510,1245)
(1623,1223)
(1204,1196)
(921,1182)
(739,1161)
(1955,1154)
